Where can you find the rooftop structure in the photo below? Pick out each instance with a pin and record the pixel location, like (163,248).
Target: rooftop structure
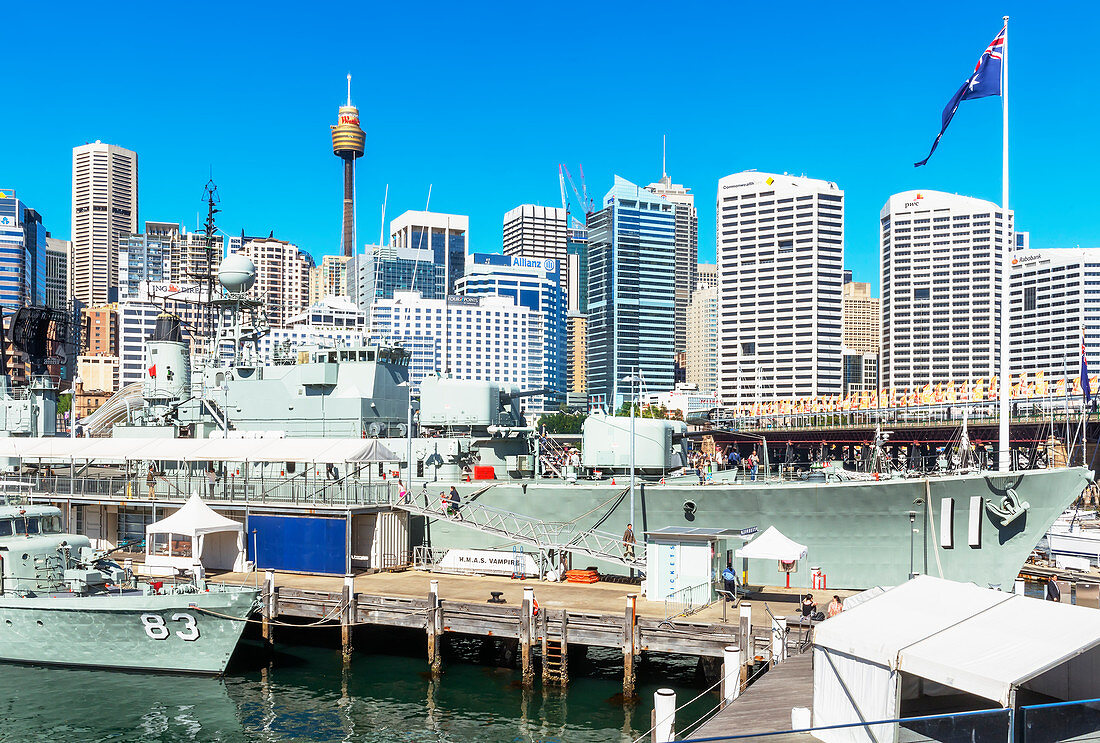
(348,143)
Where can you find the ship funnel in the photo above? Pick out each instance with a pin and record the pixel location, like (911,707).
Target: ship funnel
(167,363)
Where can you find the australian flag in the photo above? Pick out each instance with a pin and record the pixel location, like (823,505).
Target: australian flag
(983,82)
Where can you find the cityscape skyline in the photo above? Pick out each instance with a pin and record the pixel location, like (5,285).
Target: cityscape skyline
(482,164)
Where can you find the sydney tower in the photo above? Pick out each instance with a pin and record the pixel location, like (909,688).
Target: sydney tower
(348,143)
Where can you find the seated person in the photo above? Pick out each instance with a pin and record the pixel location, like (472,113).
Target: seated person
(808,606)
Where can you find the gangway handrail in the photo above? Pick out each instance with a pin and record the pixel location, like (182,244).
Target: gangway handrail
(531,531)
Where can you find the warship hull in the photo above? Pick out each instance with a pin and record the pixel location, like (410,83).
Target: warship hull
(859,533)
(176,633)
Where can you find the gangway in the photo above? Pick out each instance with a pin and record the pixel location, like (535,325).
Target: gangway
(543,535)
(116,409)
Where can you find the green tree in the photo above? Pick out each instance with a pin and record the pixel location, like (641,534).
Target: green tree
(562,422)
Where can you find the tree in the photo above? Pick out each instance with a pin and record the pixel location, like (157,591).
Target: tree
(562,422)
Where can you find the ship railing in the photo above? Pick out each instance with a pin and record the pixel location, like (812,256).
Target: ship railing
(289,491)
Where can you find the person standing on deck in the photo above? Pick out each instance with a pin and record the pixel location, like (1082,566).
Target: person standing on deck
(211,479)
(1053,592)
(629,542)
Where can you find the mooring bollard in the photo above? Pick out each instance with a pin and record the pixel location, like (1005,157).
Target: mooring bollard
(779,639)
(664,715)
(731,673)
(746,643)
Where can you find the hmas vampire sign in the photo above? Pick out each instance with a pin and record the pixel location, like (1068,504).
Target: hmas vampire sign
(489,562)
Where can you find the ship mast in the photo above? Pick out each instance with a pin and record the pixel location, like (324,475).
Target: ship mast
(210,196)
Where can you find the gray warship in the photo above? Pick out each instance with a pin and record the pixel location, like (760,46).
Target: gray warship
(63,603)
(518,491)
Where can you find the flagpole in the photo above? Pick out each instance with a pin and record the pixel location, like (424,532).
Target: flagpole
(1005,445)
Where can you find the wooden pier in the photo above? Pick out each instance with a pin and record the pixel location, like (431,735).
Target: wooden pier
(765,706)
(601,615)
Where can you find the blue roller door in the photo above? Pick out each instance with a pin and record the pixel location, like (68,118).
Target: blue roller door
(303,544)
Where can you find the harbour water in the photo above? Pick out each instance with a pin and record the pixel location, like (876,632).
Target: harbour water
(303,693)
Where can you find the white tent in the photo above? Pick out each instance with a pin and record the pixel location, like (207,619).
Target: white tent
(375,451)
(195,532)
(772,545)
(935,637)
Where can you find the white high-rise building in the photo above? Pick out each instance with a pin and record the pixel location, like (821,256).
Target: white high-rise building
(780,272)
(687,249)
(538,232)
(282,277)
(489,338)
(862,318)
(940,279)
(105,207)
(445,235)
(705,275)
(1055,294)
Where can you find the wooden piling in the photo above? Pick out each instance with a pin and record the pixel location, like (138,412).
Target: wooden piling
(525,622)
(564,681)
(544,632)
(270,607)
(630,631)
(434,626)
(347,617)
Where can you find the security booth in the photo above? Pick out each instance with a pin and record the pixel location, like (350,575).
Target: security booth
(685,564)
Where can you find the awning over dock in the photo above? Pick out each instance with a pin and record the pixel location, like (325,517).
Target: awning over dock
(931,637)
(322,451)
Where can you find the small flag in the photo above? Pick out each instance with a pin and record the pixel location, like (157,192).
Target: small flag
(1086,389)
(769,180)
(984,81)
(153,371)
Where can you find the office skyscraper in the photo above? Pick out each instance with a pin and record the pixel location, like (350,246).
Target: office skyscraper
(780,272)
(22,253)
(105,207)
(631,297)
(862,318)
(687,248)
(383,270)
(445,235)
(941,289)
(576,294)
(1051,303)
(538,232)
(534,283)
(58,253)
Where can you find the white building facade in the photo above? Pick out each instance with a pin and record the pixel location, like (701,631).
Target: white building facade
(780,259)
(488,338)
(538,232)
(1055,294)
(940,278)
(104,207)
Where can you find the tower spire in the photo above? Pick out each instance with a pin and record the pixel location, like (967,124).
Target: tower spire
(349,88)
(664,170)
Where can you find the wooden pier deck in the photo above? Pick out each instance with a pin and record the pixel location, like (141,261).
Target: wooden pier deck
(606,615)
(765,707)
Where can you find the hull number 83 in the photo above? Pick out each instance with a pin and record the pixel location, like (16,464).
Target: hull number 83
(157,629)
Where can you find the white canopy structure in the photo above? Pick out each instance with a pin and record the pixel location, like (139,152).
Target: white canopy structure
(933,637)
(196,532)
(772,545)
(375,451)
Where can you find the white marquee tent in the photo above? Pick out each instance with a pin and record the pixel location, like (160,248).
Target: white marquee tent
(772,545)
(196,532)
(955,638)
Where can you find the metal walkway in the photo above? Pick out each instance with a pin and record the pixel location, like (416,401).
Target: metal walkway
(543,535)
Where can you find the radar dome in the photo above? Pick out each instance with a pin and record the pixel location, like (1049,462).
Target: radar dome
(237,274)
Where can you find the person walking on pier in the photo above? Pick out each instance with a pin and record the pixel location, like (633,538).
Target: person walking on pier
(1053,592)
(454,502)
(752,464)
(629,542)
(729,578)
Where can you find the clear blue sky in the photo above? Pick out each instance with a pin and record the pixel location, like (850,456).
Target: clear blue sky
(483,102)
